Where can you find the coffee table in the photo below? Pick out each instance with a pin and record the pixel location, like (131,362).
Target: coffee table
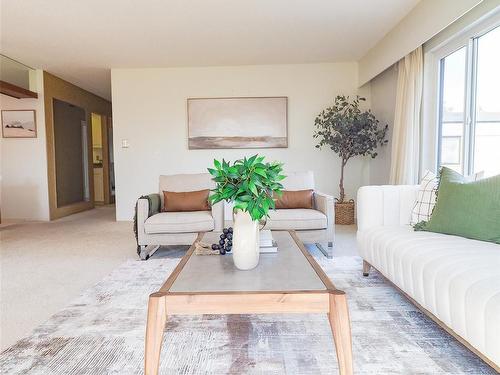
(289,281)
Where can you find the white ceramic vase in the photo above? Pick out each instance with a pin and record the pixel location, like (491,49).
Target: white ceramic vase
(245,241)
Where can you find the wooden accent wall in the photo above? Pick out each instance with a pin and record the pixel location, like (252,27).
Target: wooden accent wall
(57,88)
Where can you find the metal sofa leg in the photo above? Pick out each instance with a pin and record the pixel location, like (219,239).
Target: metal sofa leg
(328,252)
(143,254)
(146,251)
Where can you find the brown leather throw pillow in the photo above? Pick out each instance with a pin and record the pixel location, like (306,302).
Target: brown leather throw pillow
(295,199)
(186,201)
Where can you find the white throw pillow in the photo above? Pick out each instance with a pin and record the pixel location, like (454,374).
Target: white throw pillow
(427,196)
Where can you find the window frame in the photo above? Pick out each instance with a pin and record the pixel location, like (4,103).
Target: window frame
(432,96)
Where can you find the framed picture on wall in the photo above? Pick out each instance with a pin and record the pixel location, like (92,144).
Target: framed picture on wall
(244,122)
(19,123)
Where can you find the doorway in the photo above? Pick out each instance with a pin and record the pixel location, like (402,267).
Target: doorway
(71,154)
(102,159)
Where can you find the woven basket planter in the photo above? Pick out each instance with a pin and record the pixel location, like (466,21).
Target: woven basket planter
(344,213)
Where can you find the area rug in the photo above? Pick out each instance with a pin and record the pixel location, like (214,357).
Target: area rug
(102,332)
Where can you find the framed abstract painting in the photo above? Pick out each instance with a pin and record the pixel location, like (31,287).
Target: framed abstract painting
(240,122)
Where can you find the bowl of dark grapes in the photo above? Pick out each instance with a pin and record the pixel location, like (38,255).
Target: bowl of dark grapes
(225,243)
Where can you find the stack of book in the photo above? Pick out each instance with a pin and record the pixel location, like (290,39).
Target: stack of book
(267,244)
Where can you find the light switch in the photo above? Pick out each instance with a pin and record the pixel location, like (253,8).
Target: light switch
(125,143)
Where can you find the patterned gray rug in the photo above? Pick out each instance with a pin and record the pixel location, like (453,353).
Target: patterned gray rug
(102,332)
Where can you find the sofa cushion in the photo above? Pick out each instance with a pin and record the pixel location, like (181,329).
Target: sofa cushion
(186,201)
(179,222)
(427,196)
(454,278)
(468,209)
(185,182)
(295,199)
(295,218)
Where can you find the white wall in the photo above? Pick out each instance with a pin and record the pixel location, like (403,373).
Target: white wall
(383,102)
(24,186)
(149,110)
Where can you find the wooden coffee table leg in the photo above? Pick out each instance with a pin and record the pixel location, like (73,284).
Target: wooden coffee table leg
(157,317)
(341,329)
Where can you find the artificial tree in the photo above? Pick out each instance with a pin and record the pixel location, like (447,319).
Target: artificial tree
(349,132)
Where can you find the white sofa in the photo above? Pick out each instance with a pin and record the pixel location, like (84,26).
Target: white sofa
(315,225)
(455,280)
(176,228)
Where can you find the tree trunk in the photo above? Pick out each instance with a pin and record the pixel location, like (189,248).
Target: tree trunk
(341,184)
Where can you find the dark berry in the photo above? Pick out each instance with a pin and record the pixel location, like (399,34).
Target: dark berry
(222,251)
(229,243)
(225,230)
(221,242)
(217,247)
(230,229)
(228,248)
(229,236)
(222,236)
(214,246)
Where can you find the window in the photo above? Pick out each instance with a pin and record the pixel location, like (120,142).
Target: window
(469,106)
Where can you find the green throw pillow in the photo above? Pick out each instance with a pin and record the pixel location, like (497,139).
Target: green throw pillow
(467,209)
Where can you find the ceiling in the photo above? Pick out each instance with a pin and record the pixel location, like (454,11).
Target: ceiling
(80,41)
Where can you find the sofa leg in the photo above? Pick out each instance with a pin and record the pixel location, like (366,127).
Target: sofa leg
(146,251)
(328,252)
(366,268)
(143,253)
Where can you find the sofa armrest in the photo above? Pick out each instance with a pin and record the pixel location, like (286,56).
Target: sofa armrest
(142,215)
(326,204)
(147,205)
(386,205)
(218,215)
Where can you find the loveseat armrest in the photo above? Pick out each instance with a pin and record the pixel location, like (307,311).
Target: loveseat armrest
(147,205)
(326,204)
(385,205)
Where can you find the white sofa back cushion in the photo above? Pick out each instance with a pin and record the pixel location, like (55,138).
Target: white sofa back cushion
(299,180)
(185,182)
(385,205)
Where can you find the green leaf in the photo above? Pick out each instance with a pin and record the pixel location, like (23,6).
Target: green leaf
(217,164)
(260,171)
(245,198)
(253,188)
(265,205)
(252,160)
(256,215)
(241,206)
(213,172)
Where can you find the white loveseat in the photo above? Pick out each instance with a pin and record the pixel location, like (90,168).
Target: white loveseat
(454,280)
(176,228)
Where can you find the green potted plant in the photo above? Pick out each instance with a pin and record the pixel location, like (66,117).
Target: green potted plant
(349,132)
(251,184)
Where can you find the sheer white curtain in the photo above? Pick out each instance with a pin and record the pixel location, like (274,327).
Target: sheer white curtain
(405,152)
